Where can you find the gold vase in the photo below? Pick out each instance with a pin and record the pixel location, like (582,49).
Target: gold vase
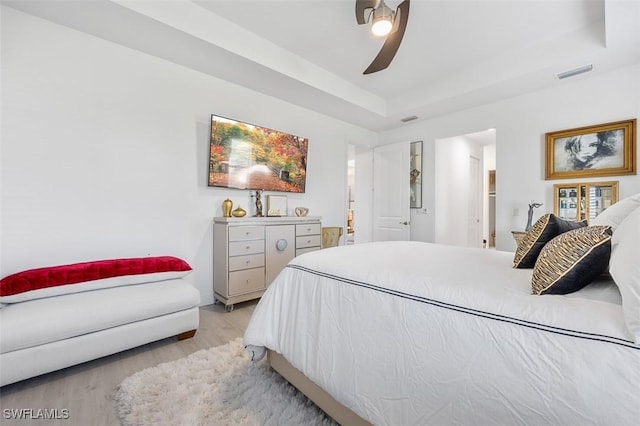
(227,205)
(239,212)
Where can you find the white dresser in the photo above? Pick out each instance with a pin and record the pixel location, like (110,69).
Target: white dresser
(249,252)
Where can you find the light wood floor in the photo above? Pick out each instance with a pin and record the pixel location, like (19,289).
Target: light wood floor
(87,390)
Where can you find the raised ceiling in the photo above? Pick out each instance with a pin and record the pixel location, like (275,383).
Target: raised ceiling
(455,54)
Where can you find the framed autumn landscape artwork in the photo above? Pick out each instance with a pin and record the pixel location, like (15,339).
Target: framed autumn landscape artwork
(245,156)
(602,150)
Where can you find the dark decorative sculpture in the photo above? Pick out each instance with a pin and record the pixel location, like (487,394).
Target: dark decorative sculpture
(258,203)
(532,206)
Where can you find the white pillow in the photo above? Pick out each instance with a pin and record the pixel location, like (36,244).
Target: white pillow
(624,267)
(615,214)
(100,284)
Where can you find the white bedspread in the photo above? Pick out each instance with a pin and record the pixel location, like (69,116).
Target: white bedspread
(416,333)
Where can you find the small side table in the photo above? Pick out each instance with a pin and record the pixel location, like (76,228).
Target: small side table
(518,236)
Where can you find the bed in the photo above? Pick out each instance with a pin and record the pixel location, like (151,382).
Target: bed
(392,333)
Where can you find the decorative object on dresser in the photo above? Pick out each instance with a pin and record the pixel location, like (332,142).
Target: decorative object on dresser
(301,211)
(227,205)
(258,203)
(532,205)
(276,205)
(602,150)
(248,253)
(239,212)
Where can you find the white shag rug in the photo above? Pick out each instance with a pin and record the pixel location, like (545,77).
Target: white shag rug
(217,386)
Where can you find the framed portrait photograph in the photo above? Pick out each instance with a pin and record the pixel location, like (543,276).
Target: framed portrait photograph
(602,150)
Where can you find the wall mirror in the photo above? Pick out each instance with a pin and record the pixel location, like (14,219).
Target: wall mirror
(415,175)
(580,201)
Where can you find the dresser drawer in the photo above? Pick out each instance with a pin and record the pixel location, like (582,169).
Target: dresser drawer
(306,250)
(246,281)
(307,229)
(307,241)
(244,233)
(246,262)
(241,248)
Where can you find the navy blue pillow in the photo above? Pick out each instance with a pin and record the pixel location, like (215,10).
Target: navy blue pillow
(543,231)
(572,260)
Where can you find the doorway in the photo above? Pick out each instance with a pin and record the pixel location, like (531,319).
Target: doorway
(491,219)
(358,195)
(474,238)
(351,187)
(462,188)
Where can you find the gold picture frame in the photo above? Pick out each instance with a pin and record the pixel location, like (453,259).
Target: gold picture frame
(602,150)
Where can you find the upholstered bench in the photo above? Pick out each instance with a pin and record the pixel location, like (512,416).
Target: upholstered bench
(55,317)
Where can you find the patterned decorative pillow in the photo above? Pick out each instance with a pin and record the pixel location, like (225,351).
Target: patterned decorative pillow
(543,231)
(572,260)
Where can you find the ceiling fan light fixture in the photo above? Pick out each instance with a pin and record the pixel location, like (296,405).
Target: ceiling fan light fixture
(381,20)
(385,23)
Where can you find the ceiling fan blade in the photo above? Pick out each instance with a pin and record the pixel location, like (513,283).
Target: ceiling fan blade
(361,7)
(392,43)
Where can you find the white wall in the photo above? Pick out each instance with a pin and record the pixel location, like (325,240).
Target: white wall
(105,152)
(521,123)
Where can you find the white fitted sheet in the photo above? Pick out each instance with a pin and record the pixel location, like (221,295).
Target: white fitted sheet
(417,333)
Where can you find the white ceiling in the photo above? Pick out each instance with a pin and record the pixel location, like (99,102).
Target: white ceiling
(455,54)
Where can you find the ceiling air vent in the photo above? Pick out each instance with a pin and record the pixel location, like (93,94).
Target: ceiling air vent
(407,119)
(575,71)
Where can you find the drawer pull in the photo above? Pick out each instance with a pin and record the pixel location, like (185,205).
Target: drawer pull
(248,281)
(309,241)
(247,233)
(248,262)
(281,244)
(247,247)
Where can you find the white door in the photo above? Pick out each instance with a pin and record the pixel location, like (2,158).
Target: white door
(474,203)
(391,211)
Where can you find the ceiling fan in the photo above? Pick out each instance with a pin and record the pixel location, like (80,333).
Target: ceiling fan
(384,22)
